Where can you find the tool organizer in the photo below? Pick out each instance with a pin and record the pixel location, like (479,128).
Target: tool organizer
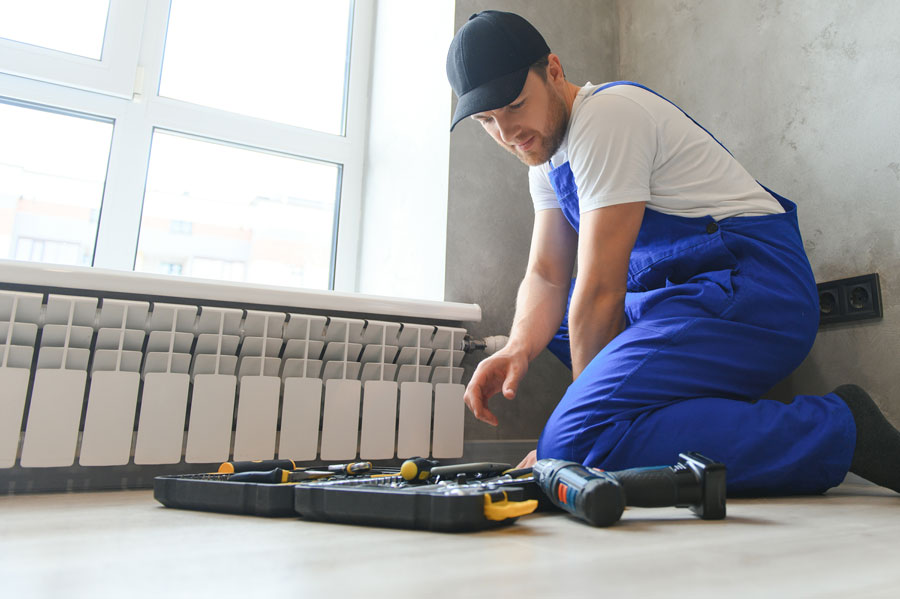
(452,507)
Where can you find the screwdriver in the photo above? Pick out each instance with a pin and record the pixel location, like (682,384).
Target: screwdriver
(278,475)
(421,469)
(265,465)
(351,468)
(417,469)
(256,466)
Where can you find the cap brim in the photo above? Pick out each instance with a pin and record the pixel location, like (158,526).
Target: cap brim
(490,96)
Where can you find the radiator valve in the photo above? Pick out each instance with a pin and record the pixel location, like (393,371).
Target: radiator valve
(488,345)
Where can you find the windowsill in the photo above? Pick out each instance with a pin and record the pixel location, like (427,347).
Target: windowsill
(163,287)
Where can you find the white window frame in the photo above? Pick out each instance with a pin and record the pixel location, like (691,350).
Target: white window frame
(113,74)
(123,87)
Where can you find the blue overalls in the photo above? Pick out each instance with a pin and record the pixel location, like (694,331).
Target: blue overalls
(717,313)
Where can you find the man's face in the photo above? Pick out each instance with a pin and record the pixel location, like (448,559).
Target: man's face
(533,126)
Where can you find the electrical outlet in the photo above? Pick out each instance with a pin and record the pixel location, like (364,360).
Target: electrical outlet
(844,300)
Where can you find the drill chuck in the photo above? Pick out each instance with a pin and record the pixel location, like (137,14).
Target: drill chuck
(594,496)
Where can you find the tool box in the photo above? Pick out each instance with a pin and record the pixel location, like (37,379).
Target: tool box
(376,500)
(448,508)
(215,493)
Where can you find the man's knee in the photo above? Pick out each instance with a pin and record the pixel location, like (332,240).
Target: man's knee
(558,439)
(572,430)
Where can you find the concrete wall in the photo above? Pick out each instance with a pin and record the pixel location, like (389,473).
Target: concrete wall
(805,93)
(490,213)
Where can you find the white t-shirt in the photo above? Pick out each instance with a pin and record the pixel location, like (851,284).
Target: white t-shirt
(626,144)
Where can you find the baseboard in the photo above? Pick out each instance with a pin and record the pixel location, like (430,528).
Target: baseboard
(853,479)
(30,480)
(504,451)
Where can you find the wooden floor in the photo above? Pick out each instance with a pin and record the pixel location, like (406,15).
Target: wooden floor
(124,544)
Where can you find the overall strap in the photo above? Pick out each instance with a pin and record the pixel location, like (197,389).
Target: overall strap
(615,83)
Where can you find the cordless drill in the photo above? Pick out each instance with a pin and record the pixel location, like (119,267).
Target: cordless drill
(599,497)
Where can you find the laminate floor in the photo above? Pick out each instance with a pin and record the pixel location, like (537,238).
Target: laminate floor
(124,544)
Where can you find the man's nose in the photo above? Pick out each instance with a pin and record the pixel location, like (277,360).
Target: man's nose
(508,129)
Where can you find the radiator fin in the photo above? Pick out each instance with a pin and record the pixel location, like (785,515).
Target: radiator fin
(94,381)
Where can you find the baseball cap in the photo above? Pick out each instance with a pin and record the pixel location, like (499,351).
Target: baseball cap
(488,61)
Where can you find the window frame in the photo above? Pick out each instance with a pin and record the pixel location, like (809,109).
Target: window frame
(128,97)
(113,74)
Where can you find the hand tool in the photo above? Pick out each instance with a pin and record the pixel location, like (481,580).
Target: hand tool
(256,466)
(376,480)
(423,469)
(417,469)
(263,465)
(477,470)
(351,468)
(278,475)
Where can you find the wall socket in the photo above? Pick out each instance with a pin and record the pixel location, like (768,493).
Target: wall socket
(845,300)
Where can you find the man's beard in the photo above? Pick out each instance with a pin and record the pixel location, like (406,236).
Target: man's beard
(546,145)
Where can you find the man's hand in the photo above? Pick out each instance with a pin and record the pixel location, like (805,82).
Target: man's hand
(529,460)
(500,373)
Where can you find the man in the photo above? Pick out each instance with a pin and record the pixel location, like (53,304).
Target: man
(693,295)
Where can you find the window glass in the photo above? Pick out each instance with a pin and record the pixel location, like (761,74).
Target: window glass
(222,212)
(282,60)
(52,169)
(73,26)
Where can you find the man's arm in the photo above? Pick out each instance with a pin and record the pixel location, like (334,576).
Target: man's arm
(597,312)
(540,305)
(542,296)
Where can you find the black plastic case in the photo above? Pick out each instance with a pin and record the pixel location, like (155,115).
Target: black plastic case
(214,493)
(448,508)
(436,508)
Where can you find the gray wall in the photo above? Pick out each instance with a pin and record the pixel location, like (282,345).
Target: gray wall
(803,92)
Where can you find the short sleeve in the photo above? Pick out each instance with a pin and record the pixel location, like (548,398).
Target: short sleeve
(542,193)
(612,147)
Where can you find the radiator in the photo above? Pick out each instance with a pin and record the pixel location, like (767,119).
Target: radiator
(108,378)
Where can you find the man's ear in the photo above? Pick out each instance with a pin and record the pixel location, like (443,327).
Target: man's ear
(554,69)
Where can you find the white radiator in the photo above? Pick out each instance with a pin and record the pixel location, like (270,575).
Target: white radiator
(108,378)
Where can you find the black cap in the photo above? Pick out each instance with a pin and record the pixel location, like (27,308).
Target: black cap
(488,61)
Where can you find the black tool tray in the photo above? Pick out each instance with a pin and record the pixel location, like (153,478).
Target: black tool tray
(442,507)
(446,508)
(215,493)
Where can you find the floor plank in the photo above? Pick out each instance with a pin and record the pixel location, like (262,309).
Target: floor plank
(123,544)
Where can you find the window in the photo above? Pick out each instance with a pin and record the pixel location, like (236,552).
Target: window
(253,216)
(186,137)
(52,171)
(281,61)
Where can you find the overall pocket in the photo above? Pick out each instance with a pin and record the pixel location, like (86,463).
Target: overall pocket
(691,259)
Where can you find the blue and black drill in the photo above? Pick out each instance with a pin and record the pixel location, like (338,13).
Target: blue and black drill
(599,497)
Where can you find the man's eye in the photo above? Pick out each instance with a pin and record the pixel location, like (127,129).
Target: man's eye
(516,106)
